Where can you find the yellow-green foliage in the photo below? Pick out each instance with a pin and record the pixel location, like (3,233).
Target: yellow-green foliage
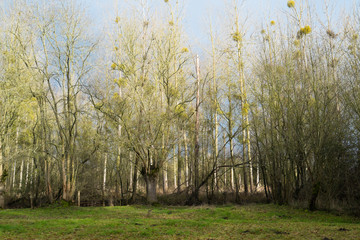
(149,89)
(173,92)
(184,50)
(98,105)
(297,54)
(180,111)
(297,43)
(306,30)
(27,108)
(219,111)
(245,108)
(116,96)
(291,4)
(121,82)
(236,36)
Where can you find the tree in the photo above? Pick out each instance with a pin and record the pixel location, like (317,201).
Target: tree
(60,55)
(150,100)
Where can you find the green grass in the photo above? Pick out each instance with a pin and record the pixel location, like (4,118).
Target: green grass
(205,222)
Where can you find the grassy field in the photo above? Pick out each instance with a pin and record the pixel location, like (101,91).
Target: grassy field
(204,222)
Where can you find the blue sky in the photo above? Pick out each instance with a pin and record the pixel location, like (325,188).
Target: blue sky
(197,12)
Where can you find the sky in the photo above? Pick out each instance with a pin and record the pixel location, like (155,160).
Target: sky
(197,13)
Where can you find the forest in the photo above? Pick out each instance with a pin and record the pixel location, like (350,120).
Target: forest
(136,114)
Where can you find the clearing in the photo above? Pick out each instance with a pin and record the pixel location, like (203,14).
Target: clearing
(160,222)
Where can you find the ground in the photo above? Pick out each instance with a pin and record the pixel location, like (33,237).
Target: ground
(160,222)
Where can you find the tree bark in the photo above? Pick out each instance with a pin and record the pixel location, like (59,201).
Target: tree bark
(165,178)
(2,179)
(175,165)
(315,192)
(135,179)
(197,127)
(151,182)
(186,163)
(179,166)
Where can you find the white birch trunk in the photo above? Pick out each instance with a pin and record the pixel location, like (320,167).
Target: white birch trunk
(175,165)
(27,173)
(186,164)
(216,107)
(258,176)
(249,155)
(225,170)
(197,130)
(131,170)
(105,166)
(32,172)
(165,177)
(232,179)
(232,168)
(14,175)
(16,153)
(21,173)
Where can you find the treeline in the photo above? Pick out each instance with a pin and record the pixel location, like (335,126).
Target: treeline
(133,112)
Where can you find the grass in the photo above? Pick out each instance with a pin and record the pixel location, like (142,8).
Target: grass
(204,222)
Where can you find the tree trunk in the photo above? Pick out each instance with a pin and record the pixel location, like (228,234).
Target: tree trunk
(64,180)
(79,199)
(179,169)
(14,176)
(2,179)
(104,177)
(48,182)
(175,165)
(27,173)
(21,174)
(131,170)
(314,195)
(150,181)
(257,176)
(2,191)
(225,169)
(165,178)
(186,163)
(135,178)
(197,127)
(249,154)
